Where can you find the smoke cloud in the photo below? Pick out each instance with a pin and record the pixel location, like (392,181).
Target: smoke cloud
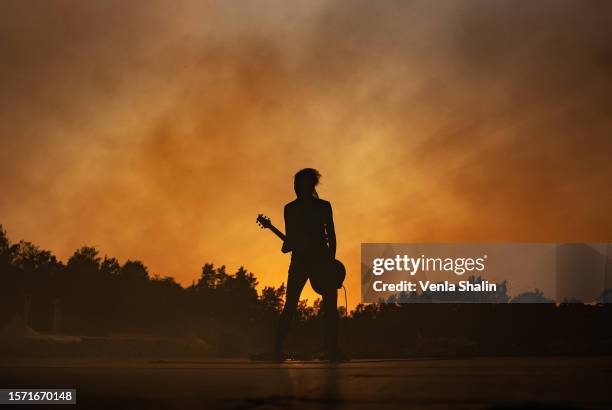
(158,130)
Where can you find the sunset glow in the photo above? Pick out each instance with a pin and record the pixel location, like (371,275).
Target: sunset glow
(159,134)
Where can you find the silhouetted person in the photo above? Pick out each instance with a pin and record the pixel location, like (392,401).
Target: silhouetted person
(311,239)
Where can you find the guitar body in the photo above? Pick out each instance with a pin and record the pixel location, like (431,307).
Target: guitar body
(325,275)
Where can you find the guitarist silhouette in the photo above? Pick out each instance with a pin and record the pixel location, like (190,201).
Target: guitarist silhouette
(311,239)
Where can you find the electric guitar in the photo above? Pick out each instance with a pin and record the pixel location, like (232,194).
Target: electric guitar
(329,275)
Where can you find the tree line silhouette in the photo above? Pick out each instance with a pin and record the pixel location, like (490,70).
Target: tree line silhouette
(100,297)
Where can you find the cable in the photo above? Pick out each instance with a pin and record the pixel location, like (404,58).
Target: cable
(346,320)
(345,302)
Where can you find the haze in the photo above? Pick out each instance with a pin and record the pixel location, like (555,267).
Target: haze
(158,130)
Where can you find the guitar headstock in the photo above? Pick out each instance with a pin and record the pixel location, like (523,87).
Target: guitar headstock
(264,221)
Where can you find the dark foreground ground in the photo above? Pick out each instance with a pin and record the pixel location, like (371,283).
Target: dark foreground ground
(521,382)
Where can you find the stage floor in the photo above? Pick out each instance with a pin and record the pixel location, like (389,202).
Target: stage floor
(584,382)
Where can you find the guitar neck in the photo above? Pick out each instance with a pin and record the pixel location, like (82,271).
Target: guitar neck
(277,232)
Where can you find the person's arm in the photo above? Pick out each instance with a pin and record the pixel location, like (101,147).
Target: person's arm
(331,232)
(288,233)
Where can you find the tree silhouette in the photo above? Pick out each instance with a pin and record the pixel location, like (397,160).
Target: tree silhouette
(535,296)
(101,297)
(134,271)
(272,299)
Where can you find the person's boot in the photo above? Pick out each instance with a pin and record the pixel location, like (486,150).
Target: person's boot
(338,356)
(278,355)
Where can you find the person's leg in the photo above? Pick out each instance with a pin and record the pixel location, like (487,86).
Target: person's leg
(295,283)
(330,312)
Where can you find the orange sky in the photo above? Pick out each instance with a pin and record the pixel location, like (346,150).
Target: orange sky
(158,130)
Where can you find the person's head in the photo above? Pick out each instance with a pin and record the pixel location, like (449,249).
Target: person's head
(305,181)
